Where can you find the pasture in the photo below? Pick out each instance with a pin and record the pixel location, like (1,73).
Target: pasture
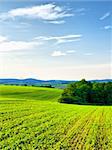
(32,119)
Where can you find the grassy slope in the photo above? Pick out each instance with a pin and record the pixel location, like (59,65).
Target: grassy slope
(31,118)
(30,93)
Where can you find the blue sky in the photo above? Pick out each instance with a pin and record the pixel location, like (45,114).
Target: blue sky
(55,40)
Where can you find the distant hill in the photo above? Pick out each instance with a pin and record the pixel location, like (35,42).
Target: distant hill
(103,80)
(36,82)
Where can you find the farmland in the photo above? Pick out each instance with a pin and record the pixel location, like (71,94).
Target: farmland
(31,118)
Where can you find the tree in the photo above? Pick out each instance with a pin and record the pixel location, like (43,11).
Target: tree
(83,92)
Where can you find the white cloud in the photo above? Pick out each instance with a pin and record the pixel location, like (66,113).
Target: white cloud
(11,45)
(67,40)
(8,45)
(107,27)
(2,38)
(48,12)
(71,51)
(80,11)
(57,22)
(58,53)
(61,39)
(105,16)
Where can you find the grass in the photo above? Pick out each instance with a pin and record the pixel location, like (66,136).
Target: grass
(31,118)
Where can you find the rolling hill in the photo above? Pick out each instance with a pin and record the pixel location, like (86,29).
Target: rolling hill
(36,82)
(31,118)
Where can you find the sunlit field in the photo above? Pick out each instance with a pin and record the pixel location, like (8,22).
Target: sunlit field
(32,118)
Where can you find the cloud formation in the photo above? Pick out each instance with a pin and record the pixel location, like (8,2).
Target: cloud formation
(2,38)
(107,27)
(58,53)
(12,45)
(80,11)
(57,22)
(48,12)
(60,39)
(71,51)
(105,16)
(8,45)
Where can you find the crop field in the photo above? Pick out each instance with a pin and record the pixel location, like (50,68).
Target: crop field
(32,119)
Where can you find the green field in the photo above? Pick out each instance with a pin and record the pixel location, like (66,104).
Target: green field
(31,118)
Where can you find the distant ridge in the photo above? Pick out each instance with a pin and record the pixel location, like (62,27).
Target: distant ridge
(101,80)
(31,81)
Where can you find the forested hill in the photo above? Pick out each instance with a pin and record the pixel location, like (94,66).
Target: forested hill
(31,81)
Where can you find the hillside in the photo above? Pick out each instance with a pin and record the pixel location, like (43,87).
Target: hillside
(30,93)
(31,118)
(31,81)
(36,82)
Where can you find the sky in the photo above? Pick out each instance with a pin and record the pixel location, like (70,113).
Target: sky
(61,40)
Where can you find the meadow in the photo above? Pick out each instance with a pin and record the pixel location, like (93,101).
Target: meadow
(31,118)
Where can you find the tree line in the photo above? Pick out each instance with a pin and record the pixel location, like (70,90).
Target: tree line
(86,92)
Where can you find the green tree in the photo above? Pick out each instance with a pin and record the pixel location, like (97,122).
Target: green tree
(83,92)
